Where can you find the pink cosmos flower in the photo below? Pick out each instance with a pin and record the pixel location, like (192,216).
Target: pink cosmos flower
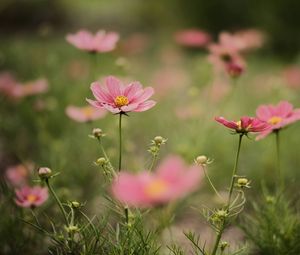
(100,42)
(172,180)
(192,38)
(226,56)
(84,114)
(234,69)
(17,175)
(244,125)
(11,88)
(31,88)
(278,116)
(117,98)
(292,77)
(31,196)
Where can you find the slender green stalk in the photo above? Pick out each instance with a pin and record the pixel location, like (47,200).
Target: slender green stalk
(279,172)
(57,201)
(210,182)
(154,158)
(120,141)
(234,172)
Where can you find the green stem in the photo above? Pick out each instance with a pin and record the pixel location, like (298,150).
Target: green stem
(120,142)
(210,182)
(234,172)
(154,158)
(58,202)
(279,172)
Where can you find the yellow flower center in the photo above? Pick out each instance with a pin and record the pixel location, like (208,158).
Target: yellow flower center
(31,198)
(239,123)
(121,101)
(88,111)
(156,188)
(275,120)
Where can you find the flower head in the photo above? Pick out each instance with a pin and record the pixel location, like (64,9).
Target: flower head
(31,196)
(84,114)
(172,180)
(192,38)
(117,98)
(100,42)
(244,125)
(17,175)
(278,116)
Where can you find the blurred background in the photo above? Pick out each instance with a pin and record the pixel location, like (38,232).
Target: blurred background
(36,130)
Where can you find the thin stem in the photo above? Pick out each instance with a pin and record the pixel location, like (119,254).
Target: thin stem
(154,158)
(58,202)
(234,172)
(210,182)
(279,172)
(120,142)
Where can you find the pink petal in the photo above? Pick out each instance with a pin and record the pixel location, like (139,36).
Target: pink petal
(146,94)
(114,86)
(145,106)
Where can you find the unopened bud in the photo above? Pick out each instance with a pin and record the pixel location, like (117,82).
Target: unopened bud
(201,160)
(243,183)
(158,140)
(101,161)
(44,172)
(97,132)
(75,204)
(223,245)
(72,229)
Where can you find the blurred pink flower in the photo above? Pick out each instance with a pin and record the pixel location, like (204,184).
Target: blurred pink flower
(135,43)
(117,98)
(292,76)
(32,88)
(11,88)
(244,125)
(172,180)
(84,114)
(31,196)
(100,42)
(192,38)
(225,56)
(234,69)
(17,175)
(278,116)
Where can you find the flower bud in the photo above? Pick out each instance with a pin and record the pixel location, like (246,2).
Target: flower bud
(223,245)
(97,132)
(158,140)
(101,161)
(243,183)
(201,160)
(72,229)
(75,204)
(44,172)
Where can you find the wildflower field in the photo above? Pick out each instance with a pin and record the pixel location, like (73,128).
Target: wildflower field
(130,129)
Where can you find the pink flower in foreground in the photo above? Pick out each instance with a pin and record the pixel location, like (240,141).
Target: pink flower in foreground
(31,196)
(244,125)
(17,175)
(192,38)
(278,116)
(172,180)
(84,114)
(100,42)
(117,98)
